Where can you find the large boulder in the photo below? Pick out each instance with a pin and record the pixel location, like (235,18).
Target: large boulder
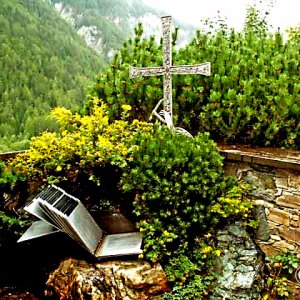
(76,279)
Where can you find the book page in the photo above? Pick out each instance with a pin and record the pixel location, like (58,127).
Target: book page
(120,244)
(37,229)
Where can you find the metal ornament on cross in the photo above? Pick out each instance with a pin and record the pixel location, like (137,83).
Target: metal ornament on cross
(167,70)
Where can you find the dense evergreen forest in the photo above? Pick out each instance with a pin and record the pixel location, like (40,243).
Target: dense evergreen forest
(252,96)
(43,64)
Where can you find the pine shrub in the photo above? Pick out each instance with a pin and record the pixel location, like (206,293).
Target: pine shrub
(252,96)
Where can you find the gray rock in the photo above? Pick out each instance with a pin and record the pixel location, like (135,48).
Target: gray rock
(262,232)
(237,230)
(263,185)
(239,268)
(244,268)
(243,280)
(251,252)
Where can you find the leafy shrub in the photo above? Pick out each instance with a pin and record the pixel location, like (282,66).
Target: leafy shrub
(281,268)
(7,179)
(284,261)
(82,144)
(180,195)
(195,289)
(10,224)
(9,182)
(179,189)
(84,157)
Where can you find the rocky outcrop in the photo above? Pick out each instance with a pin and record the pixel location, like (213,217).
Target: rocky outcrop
(105,40)
(240,267)
(75,279)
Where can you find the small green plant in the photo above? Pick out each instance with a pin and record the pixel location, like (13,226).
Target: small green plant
(284,262)
(7,179)
(281,267)
(197,288)
(277,287)
(12,222)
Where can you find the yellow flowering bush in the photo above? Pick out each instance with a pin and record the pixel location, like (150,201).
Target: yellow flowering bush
(82,142)
(232,203)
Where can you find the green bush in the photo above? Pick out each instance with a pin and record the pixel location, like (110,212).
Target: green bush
(85,155)
(195,289)
(180,194)
(7,179)
(252,96)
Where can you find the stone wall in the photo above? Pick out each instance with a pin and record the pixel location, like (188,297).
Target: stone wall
(276,182)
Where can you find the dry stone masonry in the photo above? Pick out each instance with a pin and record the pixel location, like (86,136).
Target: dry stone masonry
(275,178)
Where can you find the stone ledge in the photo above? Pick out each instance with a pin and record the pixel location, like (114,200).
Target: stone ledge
(8,155)
(273,157)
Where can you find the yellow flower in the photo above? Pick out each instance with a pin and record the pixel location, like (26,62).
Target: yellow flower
(218,252)
(166,233)
(206,249)
(126,107)
(58,168)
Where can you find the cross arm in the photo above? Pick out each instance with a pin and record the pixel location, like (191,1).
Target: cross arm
(201,69)
(147,71)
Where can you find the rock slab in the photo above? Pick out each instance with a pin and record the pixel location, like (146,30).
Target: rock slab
(239,269)
(112,280)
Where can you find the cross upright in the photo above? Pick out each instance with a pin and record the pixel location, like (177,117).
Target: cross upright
(168,69)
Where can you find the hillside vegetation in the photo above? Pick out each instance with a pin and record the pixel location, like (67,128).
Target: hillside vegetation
(43,64)
(252,96)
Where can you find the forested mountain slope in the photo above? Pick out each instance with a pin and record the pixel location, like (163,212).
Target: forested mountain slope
(50,52)
(43,64)
(105,24)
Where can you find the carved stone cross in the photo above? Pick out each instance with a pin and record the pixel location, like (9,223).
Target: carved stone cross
(167,69)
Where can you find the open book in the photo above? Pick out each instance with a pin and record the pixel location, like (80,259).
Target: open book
(60,211)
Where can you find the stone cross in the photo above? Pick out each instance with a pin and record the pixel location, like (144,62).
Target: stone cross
(168,69)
